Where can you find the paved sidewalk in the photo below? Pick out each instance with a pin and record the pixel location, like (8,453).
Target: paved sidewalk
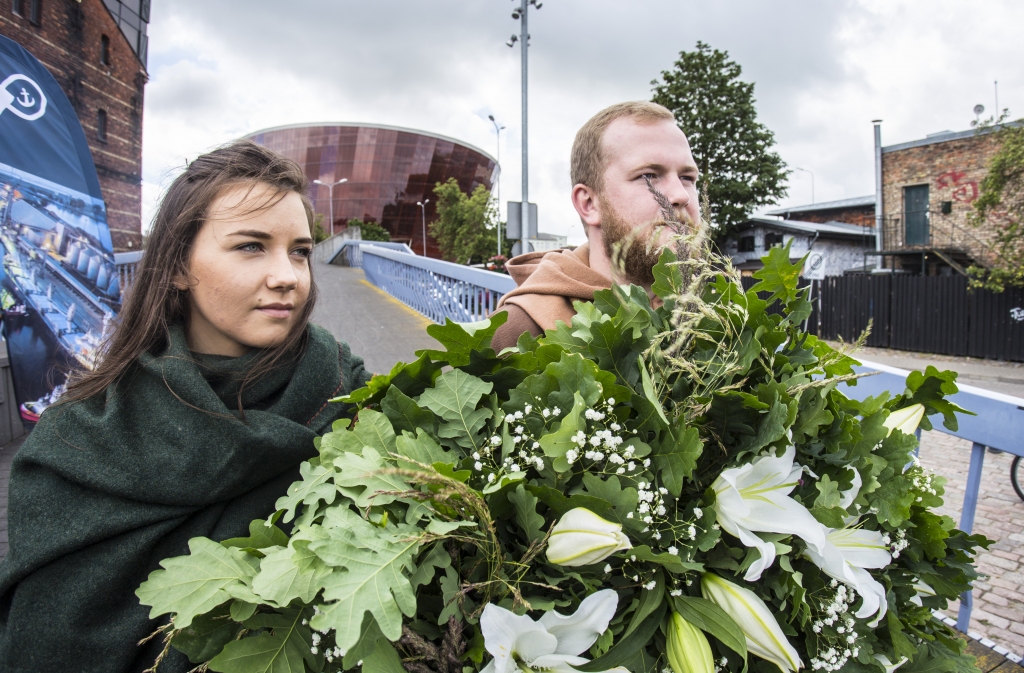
(999,596)
(996,375)
(377,327)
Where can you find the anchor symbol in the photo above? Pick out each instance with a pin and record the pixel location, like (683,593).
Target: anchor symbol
(25,99)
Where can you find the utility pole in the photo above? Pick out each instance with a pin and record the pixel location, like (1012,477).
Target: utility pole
(524,41)
(330,195)
(498,129)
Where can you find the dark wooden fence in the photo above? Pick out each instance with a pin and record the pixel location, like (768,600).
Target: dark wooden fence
(926,314)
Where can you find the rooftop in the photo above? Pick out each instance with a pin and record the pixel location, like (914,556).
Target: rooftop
(827,229)
(946,136)
(855,202)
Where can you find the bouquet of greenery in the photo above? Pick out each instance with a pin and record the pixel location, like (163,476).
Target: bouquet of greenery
(680,487)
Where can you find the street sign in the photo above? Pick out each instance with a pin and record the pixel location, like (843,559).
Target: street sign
(814,267)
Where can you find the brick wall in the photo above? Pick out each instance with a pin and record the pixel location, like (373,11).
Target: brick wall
(68,42)
(953,171)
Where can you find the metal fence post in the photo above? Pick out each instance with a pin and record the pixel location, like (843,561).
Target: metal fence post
(963,620)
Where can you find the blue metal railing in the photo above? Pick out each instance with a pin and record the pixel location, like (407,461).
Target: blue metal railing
(435,288)
(999,424)
(350,253)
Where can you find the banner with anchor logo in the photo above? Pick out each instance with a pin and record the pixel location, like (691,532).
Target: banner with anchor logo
(59,286)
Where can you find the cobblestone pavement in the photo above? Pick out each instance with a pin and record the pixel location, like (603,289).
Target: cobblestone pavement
(999,596)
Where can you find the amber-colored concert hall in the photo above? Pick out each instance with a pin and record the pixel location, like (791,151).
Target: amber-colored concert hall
(388,170)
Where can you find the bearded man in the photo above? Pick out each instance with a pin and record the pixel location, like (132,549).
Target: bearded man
(622,159)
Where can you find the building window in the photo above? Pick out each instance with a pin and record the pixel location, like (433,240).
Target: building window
(18,7)
(105,50)
(101,125)
(772,240)
(35,11)
(746,244)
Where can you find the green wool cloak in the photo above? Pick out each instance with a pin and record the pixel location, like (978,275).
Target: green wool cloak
(104,489)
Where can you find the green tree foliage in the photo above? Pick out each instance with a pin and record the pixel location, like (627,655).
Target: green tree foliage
(1001,207)
(465,228)
(732,149)
(318,229)
(371,231)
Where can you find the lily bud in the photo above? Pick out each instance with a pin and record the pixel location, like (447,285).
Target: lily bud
(582,537)
(906,419)
(755,619)
(688,649)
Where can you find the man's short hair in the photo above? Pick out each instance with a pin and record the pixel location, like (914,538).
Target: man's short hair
(588,158)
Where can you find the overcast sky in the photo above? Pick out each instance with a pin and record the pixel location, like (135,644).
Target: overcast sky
(822,70)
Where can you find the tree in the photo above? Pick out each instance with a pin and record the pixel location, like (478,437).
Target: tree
(370,231)
(1001,206)
(465,228)
(318,229)
(732,149)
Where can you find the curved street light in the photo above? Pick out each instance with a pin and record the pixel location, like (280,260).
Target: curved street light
(330,192)
(423,208)
(806,170)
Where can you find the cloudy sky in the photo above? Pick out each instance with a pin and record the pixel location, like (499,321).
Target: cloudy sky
(823,71)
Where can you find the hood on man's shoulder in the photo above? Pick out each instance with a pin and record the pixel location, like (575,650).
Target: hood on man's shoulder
(562,272)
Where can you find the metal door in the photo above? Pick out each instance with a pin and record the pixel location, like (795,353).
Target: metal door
(915,214)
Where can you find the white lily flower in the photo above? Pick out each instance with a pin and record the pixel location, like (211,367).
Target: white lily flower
(888,665)
(922,589)
(847,552)
(763,635)
(906,419)
(582,537)
(553,643)
(755,497)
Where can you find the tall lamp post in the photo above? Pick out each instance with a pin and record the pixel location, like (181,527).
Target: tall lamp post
(498,130)
(423,208)
(330,192)
(524,41)
(805,170)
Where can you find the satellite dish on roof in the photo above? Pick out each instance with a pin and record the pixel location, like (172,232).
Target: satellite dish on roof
(978,109)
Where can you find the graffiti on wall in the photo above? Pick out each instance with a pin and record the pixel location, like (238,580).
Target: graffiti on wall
(964,190)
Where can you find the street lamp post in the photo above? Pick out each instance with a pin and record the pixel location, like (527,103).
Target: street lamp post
(524,41)
(805,170)
(330,196)
(498,130)
(423,208)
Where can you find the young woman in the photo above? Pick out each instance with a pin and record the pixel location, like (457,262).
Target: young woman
(212,389)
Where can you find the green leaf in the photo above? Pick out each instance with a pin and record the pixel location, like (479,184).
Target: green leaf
(290,573)
(363,478)
(375,579)
(261,536)
(383,660)
(374,429)
(779,276)
(194,584)
(650,393)
(626,648)
(405,414)
(707,616)
(668,280)
(206,635)
(649,602)
(670,562)
(828,492)
(283,649)
(622,500)
(454,398)
(240,611)
(676,458)
(829,516)
(530,522)
(556,444)
(316,486)
(460,339)
(436,558)
(903,647)
(422,449)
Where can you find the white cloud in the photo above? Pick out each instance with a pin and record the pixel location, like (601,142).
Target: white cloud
(823,71)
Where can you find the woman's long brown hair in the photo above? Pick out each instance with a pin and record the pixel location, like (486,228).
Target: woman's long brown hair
(152,303)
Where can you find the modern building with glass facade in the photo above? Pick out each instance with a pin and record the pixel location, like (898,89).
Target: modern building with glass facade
(387,171)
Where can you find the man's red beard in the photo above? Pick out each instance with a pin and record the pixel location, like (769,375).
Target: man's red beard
(632,250)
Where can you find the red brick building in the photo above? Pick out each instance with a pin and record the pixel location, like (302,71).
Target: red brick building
(928,190)
(96,50)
